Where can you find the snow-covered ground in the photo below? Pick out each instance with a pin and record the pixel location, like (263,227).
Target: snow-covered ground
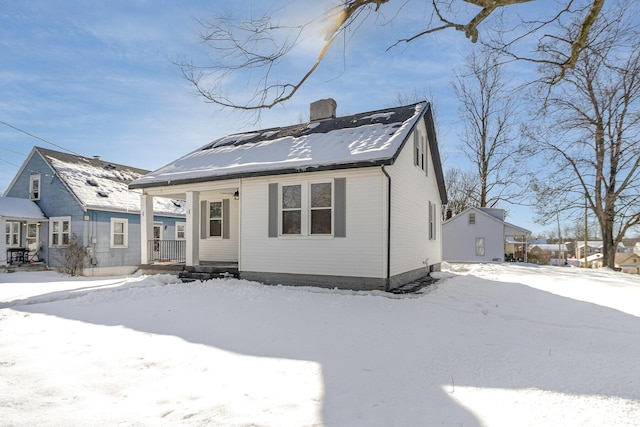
(488,345)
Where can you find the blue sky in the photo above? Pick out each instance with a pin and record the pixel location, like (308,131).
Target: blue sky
(97,78)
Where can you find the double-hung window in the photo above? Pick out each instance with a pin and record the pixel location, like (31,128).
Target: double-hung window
(119,232)
(181,228)
(60,229)
(420,156)
(320,207)
(12,229)
(215,219)
(292,209)
(34,187)
(432,219)
(308,208)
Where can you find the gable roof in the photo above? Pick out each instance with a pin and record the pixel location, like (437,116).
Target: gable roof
(364,139)
(100,185)
(16,208)
(509,229)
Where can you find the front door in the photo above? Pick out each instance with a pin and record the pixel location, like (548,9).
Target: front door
(157,236)
(33,241)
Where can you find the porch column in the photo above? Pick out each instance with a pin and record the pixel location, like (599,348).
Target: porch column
(192,229)
(146,226)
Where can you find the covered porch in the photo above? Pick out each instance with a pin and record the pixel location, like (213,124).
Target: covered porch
(209,237)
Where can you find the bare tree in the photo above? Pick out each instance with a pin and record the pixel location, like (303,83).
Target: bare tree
(258,46)
(591,133)
(461,190)
(488,115)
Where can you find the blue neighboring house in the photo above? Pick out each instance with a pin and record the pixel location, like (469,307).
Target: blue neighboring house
(88,199)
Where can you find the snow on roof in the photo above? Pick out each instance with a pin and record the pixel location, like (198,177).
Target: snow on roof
(551,247)
(361,139)
(102,185)
(597,244)
(16,208)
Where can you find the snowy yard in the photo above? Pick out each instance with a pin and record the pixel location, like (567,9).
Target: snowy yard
(488,345)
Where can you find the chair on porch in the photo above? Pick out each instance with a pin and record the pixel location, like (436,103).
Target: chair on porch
(34,251)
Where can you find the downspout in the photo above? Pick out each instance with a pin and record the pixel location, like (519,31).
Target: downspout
(388,279)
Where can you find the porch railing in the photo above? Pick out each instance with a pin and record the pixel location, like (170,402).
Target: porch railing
(166,251)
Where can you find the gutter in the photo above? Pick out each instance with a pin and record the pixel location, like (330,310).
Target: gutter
(388,279)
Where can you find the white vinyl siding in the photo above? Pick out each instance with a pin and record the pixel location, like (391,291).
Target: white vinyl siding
(360,253)
(412,191)
(460,244)
(225,247)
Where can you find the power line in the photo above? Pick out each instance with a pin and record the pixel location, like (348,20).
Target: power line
(8,162)
(14,152)
(37,137)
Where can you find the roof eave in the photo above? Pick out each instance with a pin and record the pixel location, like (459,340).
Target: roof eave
(257,174)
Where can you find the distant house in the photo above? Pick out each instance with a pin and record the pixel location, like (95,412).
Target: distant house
(88,199)
(352,202)
(22,220)
(594,247)
(548,253)
(479,235)
(628,262)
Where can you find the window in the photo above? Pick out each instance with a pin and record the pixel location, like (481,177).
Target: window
(472,218)
(12,233)
(321,208)
(181,228)
(432,216)
(479,246)
(420,156)
(34,187)
(425,154)
(119,232)
(60,228)
(291,209)
(215,219)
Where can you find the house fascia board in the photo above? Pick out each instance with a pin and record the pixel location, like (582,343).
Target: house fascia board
(23,218)
(435,153)
(258,174)
(23,168)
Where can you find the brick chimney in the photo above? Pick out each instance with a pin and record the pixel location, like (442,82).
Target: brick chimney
(322,109)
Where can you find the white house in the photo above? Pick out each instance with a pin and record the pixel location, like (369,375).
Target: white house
(594,247)
(352,202)
(478,235)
